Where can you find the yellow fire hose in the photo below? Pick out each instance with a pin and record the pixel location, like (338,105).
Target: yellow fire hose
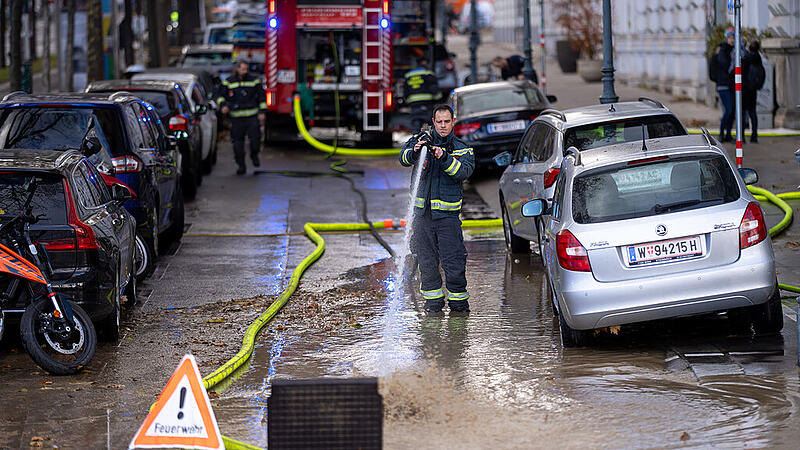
(762,195)
(301,127)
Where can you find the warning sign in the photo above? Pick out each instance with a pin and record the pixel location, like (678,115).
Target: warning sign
(182,416)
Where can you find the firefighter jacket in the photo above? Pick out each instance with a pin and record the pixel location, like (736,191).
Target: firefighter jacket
(440,183)
(421,86)
(245,97)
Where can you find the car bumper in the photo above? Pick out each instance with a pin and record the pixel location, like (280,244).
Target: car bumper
(587,303)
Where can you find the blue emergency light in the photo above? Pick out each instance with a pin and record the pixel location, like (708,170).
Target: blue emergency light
(273,22)
(384,23)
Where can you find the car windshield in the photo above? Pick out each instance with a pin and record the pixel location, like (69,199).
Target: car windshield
(48,199)
(59,128)
(626,130)
(249,34)
(220,36)
(206,59)
(649,189)
(512,97)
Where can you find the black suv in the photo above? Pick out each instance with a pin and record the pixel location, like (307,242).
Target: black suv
(173,108)
(123,137)
(84,230)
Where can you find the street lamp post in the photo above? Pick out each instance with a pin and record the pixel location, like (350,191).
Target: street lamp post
(609,96)
(527,68)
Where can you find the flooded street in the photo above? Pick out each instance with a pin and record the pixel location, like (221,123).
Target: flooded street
(497,377)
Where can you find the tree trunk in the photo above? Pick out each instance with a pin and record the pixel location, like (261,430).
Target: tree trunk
(46,47)
(158,42)
(3,21)
(70,72)
(126,33)
(15,73)
(94,38)
(32,27)
(189,20)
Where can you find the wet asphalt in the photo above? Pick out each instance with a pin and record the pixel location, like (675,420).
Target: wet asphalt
(497,377)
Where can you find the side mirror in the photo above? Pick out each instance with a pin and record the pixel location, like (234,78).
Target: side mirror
(91,146)
(200,109)
(552,98)
(533,208)
(749,176)
(503,159)
(121,193)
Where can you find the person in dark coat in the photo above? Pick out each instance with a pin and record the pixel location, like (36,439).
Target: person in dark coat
(721,72)
(752,81)
(511,68)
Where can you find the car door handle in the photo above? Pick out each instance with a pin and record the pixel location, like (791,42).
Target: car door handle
(515,181)
(529,181)
(116,222)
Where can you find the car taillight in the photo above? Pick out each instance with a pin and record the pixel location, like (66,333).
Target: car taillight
(126,164)
(571,254)
(753,229)
(178,123)
(463,129)
(550,177)
(84,235)
(448,64)
(58,244)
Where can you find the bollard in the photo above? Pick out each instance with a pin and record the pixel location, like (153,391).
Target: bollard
(27,81)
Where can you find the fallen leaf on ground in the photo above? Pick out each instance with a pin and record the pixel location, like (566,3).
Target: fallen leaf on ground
(685,436)
(217,320)
(793,244)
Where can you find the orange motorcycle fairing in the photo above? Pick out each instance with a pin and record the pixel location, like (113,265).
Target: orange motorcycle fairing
(14,264)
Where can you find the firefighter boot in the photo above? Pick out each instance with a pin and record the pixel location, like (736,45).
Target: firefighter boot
(434,306)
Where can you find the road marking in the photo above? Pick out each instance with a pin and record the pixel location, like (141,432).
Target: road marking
(698,355)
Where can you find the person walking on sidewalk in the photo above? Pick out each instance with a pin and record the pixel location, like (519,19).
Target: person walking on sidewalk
(753,76)
(720,70)
(436,226)
(242,96)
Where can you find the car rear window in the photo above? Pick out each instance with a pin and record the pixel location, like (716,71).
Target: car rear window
(659,187)
(627,130)
(48,199)
(475,102)
(58,128)
(164,102)
(206,59)
(220,36)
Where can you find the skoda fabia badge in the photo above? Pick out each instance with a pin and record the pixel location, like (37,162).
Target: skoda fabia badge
(661,229)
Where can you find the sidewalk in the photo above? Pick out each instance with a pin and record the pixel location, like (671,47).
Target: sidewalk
(573,92)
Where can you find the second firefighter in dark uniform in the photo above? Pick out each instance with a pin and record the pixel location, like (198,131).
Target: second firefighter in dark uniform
(421,90)
(437,237)
(242,96)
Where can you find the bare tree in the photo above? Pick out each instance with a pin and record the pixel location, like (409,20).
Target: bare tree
(3,20)
(70,72)
(32,27)
(15,74)
(189,17)
(94,41)
(46,47)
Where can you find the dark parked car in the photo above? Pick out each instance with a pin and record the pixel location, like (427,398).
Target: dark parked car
(123,137)
(85,231)
(173,109)
(492,117)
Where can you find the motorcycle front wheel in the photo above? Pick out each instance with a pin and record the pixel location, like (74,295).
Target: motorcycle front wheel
(54,349)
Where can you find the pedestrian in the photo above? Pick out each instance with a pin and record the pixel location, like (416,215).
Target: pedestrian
(421,89)
(242,96)
(720,70)
(511,68)
(753,76)
(436,226)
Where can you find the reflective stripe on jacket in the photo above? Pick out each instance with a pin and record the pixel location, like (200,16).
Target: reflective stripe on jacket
(245,97)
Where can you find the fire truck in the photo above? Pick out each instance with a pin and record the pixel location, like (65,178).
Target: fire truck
(322,49)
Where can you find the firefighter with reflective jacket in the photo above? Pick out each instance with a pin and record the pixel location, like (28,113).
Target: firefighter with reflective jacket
(242,96)
(421,93)
(436,226)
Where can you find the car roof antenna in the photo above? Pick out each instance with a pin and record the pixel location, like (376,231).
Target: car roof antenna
(644,141)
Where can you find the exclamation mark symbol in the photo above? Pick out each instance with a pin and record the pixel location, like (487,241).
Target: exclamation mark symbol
(183,399)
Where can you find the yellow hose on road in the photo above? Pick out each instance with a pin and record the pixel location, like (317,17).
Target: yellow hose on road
(301,127)
(765,195)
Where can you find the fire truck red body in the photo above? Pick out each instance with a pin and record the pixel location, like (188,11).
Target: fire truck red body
(319,48)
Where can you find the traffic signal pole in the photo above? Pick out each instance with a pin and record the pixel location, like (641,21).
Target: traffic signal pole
(737,7)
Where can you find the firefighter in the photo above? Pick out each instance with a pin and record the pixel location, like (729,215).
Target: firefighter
(436,225)
(421,93)
(242,96)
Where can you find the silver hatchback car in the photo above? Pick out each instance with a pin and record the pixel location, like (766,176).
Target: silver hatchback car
(655,229)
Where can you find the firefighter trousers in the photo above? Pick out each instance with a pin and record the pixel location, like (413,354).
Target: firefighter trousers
(241,127)
(436,242)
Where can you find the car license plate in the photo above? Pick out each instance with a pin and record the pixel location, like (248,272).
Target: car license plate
(286,76)
(661,251)
(503,127)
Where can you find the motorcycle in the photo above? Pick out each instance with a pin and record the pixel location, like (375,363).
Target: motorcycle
(56,333)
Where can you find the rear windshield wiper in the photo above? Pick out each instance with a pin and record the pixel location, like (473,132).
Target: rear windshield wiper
(659,208)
